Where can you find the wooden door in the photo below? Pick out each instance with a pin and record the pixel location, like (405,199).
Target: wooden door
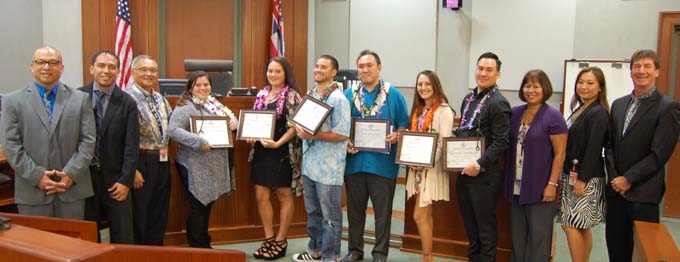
(669,83)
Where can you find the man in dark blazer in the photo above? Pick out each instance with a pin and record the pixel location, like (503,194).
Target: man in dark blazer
(117,149)
(644,129)
(47,134)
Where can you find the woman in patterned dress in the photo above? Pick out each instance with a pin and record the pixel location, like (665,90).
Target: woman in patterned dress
(582,204)
(430,113)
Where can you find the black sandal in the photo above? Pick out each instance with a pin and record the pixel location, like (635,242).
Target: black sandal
(277,250)
(267,244)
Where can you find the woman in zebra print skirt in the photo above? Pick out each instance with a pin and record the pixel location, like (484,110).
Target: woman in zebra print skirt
(583,180)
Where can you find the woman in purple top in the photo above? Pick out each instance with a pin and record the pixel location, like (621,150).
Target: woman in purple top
(538,140)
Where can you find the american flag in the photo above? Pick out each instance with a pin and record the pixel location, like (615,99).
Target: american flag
(123,43)
(276,47)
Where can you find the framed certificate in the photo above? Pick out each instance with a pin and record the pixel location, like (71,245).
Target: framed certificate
(215,129)
(457,152)
(255,124)
(370,135)
(310,114)
(417,149)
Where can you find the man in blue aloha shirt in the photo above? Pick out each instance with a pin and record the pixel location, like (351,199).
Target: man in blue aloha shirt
(323,165)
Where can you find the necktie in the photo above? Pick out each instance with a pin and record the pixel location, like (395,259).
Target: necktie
(98,116)
(99,107)
(48,104)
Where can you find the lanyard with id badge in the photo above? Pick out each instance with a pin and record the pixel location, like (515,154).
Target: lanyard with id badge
(163,150)
(573,174)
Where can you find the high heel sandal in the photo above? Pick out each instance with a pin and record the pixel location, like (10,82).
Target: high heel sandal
(267,244)
(277,250)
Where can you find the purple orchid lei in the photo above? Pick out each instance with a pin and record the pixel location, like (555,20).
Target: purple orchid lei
(261,100)
(463,123)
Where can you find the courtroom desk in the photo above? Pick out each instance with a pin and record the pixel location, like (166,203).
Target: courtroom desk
(449,237)
(6,188)
(85,230)
(653,242)
(26,244)
(234,217)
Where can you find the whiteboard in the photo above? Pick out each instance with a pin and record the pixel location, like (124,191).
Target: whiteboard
(402,32)
(616,76)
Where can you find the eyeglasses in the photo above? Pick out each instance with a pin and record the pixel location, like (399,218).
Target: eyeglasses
(145,70)
(51,63)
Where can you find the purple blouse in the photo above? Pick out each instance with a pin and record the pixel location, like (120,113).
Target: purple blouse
(538,152)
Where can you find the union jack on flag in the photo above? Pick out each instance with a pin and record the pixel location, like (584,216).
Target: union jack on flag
(123,44)
(276,47)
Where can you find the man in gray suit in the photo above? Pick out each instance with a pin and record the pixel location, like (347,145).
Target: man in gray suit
(47,132)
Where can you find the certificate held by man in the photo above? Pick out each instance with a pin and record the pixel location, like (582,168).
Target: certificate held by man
(311,114)
(215,129)
(458,152)
(255,124)
(370,135)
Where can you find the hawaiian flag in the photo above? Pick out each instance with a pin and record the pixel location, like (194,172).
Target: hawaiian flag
(123,48)
(276,47)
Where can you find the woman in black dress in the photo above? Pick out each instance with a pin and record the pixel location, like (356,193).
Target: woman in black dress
(276,163)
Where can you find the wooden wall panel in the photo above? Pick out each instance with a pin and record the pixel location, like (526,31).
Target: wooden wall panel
(99,29)
(202,29)
(256,33)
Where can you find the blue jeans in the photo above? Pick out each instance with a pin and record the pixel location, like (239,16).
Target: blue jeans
(324,218)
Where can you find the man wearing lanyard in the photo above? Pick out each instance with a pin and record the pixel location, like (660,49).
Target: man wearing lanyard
(151,197)
(371,174)
(323,166)
(486,114)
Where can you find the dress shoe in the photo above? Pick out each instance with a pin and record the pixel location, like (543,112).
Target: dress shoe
(351,257)
(380,259)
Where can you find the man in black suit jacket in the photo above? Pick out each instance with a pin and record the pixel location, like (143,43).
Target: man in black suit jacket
(117,149)
(643,133)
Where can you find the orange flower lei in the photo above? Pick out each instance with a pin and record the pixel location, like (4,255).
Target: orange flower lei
(428,118)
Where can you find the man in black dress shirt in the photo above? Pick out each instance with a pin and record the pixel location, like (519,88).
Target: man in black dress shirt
(486,113)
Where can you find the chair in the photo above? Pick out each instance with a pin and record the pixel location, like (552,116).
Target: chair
(219,70)
(344,76)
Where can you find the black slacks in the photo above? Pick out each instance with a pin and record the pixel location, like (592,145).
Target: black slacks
(619,228)
(477,198)
(198,217)
(150,202)
(102,206)
(360,187)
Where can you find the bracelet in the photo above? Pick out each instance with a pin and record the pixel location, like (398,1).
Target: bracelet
(552,184)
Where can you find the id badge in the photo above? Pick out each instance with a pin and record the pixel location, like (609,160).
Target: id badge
(572,177)
(163,154)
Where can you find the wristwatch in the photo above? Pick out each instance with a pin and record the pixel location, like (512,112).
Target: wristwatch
(477,166)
